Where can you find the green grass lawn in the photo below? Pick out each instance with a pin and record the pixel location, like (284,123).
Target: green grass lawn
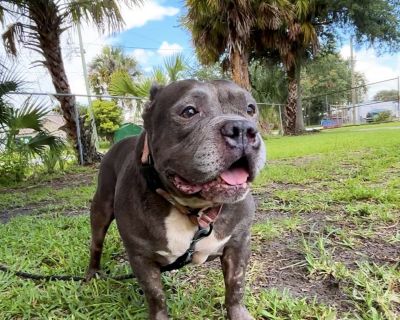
(326,240)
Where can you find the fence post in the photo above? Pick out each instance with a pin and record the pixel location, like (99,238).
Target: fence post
(78,134)
(398,97)
(94,137)
(280,118)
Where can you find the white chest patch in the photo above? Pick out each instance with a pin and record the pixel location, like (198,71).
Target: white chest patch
(180,232)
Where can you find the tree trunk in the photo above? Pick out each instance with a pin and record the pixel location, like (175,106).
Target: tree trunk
(299,108)
(240,68)
(289,113)
(48,34)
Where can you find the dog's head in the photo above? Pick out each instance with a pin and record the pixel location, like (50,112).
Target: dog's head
(204,141)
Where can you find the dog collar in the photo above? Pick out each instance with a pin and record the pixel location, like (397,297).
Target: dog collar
(201,217)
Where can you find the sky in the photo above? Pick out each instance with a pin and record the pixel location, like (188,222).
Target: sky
(152,32)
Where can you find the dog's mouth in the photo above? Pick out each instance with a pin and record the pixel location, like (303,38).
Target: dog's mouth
(235,178)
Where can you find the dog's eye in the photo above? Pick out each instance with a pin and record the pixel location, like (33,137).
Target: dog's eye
(189,112)
(251,109)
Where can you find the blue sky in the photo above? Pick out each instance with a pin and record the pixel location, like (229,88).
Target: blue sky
(156,39)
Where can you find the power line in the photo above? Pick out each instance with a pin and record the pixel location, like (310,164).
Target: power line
(136,47)
(351,88)
(75,95)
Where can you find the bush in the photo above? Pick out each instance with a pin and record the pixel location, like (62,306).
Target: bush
(383,116)
(13,166)
(51,158)
(108,117)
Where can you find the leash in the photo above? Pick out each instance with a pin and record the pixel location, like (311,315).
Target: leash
(183,260)
(153,183)
(33,276)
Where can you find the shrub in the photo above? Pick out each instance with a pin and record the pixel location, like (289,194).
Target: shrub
(383,116)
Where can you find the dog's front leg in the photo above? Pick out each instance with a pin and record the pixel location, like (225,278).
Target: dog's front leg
(149,277)
(234,263)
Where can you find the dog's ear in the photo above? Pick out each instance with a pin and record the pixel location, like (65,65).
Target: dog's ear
(154,90)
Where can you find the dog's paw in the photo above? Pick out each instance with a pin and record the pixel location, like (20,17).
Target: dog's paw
(161,315)
(90,274)
(239,312)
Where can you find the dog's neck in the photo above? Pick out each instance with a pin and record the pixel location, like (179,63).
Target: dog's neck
(202,217)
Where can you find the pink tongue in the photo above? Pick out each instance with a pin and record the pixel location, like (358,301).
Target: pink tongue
(235,176)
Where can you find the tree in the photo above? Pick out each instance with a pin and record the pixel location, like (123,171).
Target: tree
(288,31)
(207,72)
(174,66)
(222,29)
(387,95)
(123,84)
(327,81)
(269,88)
(374,22)
(15,151)
(38,25)
(108,117)
(105,64)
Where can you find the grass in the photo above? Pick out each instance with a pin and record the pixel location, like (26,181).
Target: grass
(325,241)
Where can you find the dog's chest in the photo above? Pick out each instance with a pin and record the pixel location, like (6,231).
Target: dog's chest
(179,233)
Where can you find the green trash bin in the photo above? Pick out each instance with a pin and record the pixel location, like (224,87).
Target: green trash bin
(127,130)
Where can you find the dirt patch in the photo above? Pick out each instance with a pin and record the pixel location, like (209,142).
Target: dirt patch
(284,266)
(7,214)
(371,250)
(66,181)
(285,269)
(298,161)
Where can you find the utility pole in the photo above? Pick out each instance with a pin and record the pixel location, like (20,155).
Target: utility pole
(85,75)
(398,97)
(353,82)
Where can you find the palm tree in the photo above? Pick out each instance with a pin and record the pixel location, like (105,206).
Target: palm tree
(174,65)
(122,83)
(290,45)
(105,64)
(29,116)
(38,26)
(223,29)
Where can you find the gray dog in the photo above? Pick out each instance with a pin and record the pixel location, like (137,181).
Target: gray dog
(180,191)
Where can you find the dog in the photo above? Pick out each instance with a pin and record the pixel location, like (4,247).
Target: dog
(180,191)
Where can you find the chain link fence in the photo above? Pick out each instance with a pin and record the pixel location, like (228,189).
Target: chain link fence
(372,102)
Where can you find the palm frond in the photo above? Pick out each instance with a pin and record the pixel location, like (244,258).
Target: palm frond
(158,76)
(121,84)
(143,87)
(105,14)
(174,66)
(14,34)
(41,142)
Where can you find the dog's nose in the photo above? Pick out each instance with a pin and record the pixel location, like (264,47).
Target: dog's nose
(239,133)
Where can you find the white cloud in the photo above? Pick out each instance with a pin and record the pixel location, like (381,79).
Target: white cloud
(375,68)
(167,49)
(142,56)
(150,11)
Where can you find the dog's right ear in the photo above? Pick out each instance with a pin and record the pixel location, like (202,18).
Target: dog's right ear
(154,90)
